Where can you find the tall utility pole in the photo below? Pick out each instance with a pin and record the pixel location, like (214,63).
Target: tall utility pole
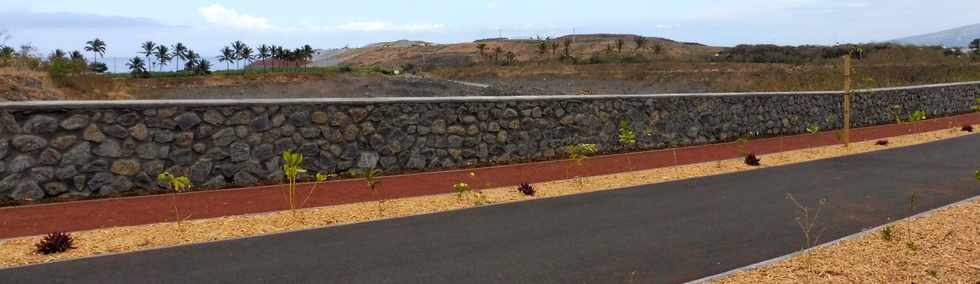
(846,135)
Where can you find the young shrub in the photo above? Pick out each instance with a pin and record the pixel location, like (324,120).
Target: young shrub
(526,189)
(460,189)
(320,178)
(888,233)
(806,219)
(578,153)
(882,143)
(917,116)
(897,113)
(813,128)
(371,176)
(967,128)
(752,160)
(55,243)
(977,175)
(291,169)
(175,184)
(911,210)
(626,136)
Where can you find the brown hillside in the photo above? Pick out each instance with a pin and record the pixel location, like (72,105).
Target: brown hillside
(462,54)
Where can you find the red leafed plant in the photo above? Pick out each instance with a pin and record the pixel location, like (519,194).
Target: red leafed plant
(968,128)
(526,189)
(55,243)
(882,143)
(752,160)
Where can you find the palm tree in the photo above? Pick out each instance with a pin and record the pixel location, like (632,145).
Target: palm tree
(246,55)
(97,47)
(619,45)
(136,66)
(237,47)
(163,56)
(148,48)
(307,54)
(191,58)
(76,56)
(264,53)
(57,55)
(227,56)
(180,53)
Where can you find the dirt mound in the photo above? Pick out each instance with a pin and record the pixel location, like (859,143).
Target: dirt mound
(26,85)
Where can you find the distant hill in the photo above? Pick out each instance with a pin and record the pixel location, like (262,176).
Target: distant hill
(958,37)
(395,53)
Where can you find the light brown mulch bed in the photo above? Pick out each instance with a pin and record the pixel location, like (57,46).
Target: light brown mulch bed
(19,251)
(944,248)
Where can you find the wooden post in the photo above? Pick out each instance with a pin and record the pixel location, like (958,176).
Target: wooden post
(846,135)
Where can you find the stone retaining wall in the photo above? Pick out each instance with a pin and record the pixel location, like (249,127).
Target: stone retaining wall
(81,149)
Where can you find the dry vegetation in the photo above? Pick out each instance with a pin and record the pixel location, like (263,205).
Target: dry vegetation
(18,251)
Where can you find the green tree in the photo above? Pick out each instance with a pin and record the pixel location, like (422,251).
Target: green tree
(163,56)
(180,53)
(237,47)
(975,46)
(246,54)
(227,56)
(96,47)
(264,53)
(148,48)
(137,67)
(191,58)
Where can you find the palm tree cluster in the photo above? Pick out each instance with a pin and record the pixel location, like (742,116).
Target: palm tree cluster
(279,54)
(160,55)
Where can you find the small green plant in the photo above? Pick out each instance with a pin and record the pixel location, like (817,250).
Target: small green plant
(291,169)
(977,175)
(318,179)
(911,209)
(176,185)
(897,113)
(813,128)
(917,116)
(888,233)
(626,136)
(371,177)
(977,106)
(578,153)
(460,189)
(55,243)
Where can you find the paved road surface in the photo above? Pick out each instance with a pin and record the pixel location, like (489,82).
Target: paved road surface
(662,233)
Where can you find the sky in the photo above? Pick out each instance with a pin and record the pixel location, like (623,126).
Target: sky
(206,26)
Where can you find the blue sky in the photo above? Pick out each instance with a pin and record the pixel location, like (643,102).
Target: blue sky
(207,25)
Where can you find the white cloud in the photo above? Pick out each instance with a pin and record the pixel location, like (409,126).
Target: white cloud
(220,16)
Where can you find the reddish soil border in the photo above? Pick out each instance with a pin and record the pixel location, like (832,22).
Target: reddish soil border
(93,214)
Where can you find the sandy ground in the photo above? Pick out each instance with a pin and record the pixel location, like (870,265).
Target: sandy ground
(19,251)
